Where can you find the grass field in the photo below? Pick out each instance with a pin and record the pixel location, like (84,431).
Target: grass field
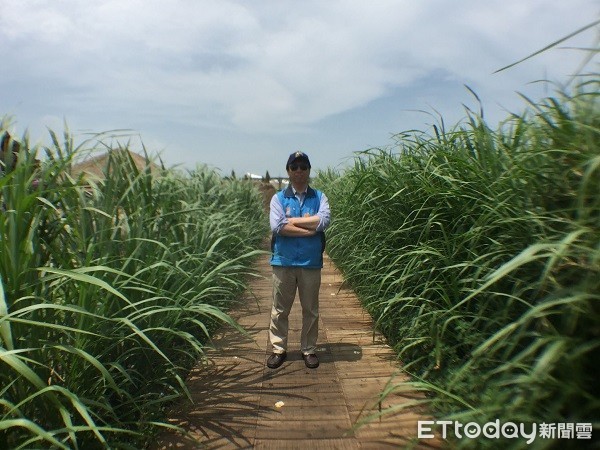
(110,289)
(477,251)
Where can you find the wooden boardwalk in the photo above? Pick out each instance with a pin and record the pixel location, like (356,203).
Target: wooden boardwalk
(240,403)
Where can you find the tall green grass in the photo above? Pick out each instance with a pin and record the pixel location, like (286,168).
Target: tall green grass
(109,291)
(477,251)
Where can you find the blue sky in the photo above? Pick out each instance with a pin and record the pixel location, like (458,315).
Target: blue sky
(239,85)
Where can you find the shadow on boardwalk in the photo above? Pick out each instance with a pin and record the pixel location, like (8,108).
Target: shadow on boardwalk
(240,403)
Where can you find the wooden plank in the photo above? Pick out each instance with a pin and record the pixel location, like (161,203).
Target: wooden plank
(305,429)
(306,444)
(322,399)
(290,413)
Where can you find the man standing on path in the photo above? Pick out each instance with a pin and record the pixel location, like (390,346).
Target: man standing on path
(299,216)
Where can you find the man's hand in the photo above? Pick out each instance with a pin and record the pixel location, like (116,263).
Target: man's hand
(293,230)
(308,222)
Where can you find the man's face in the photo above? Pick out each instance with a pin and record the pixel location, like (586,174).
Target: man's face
(298,172)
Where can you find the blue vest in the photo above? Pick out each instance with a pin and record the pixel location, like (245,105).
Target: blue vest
(306,252)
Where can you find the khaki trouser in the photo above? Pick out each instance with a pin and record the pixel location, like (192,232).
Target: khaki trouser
(285,282)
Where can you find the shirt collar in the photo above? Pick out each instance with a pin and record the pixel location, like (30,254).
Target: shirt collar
(290,192)
(299,192)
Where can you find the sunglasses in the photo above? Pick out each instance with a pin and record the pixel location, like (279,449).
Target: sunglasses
(294,167)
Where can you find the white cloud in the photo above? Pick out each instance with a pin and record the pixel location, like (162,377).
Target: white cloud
(269,66)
